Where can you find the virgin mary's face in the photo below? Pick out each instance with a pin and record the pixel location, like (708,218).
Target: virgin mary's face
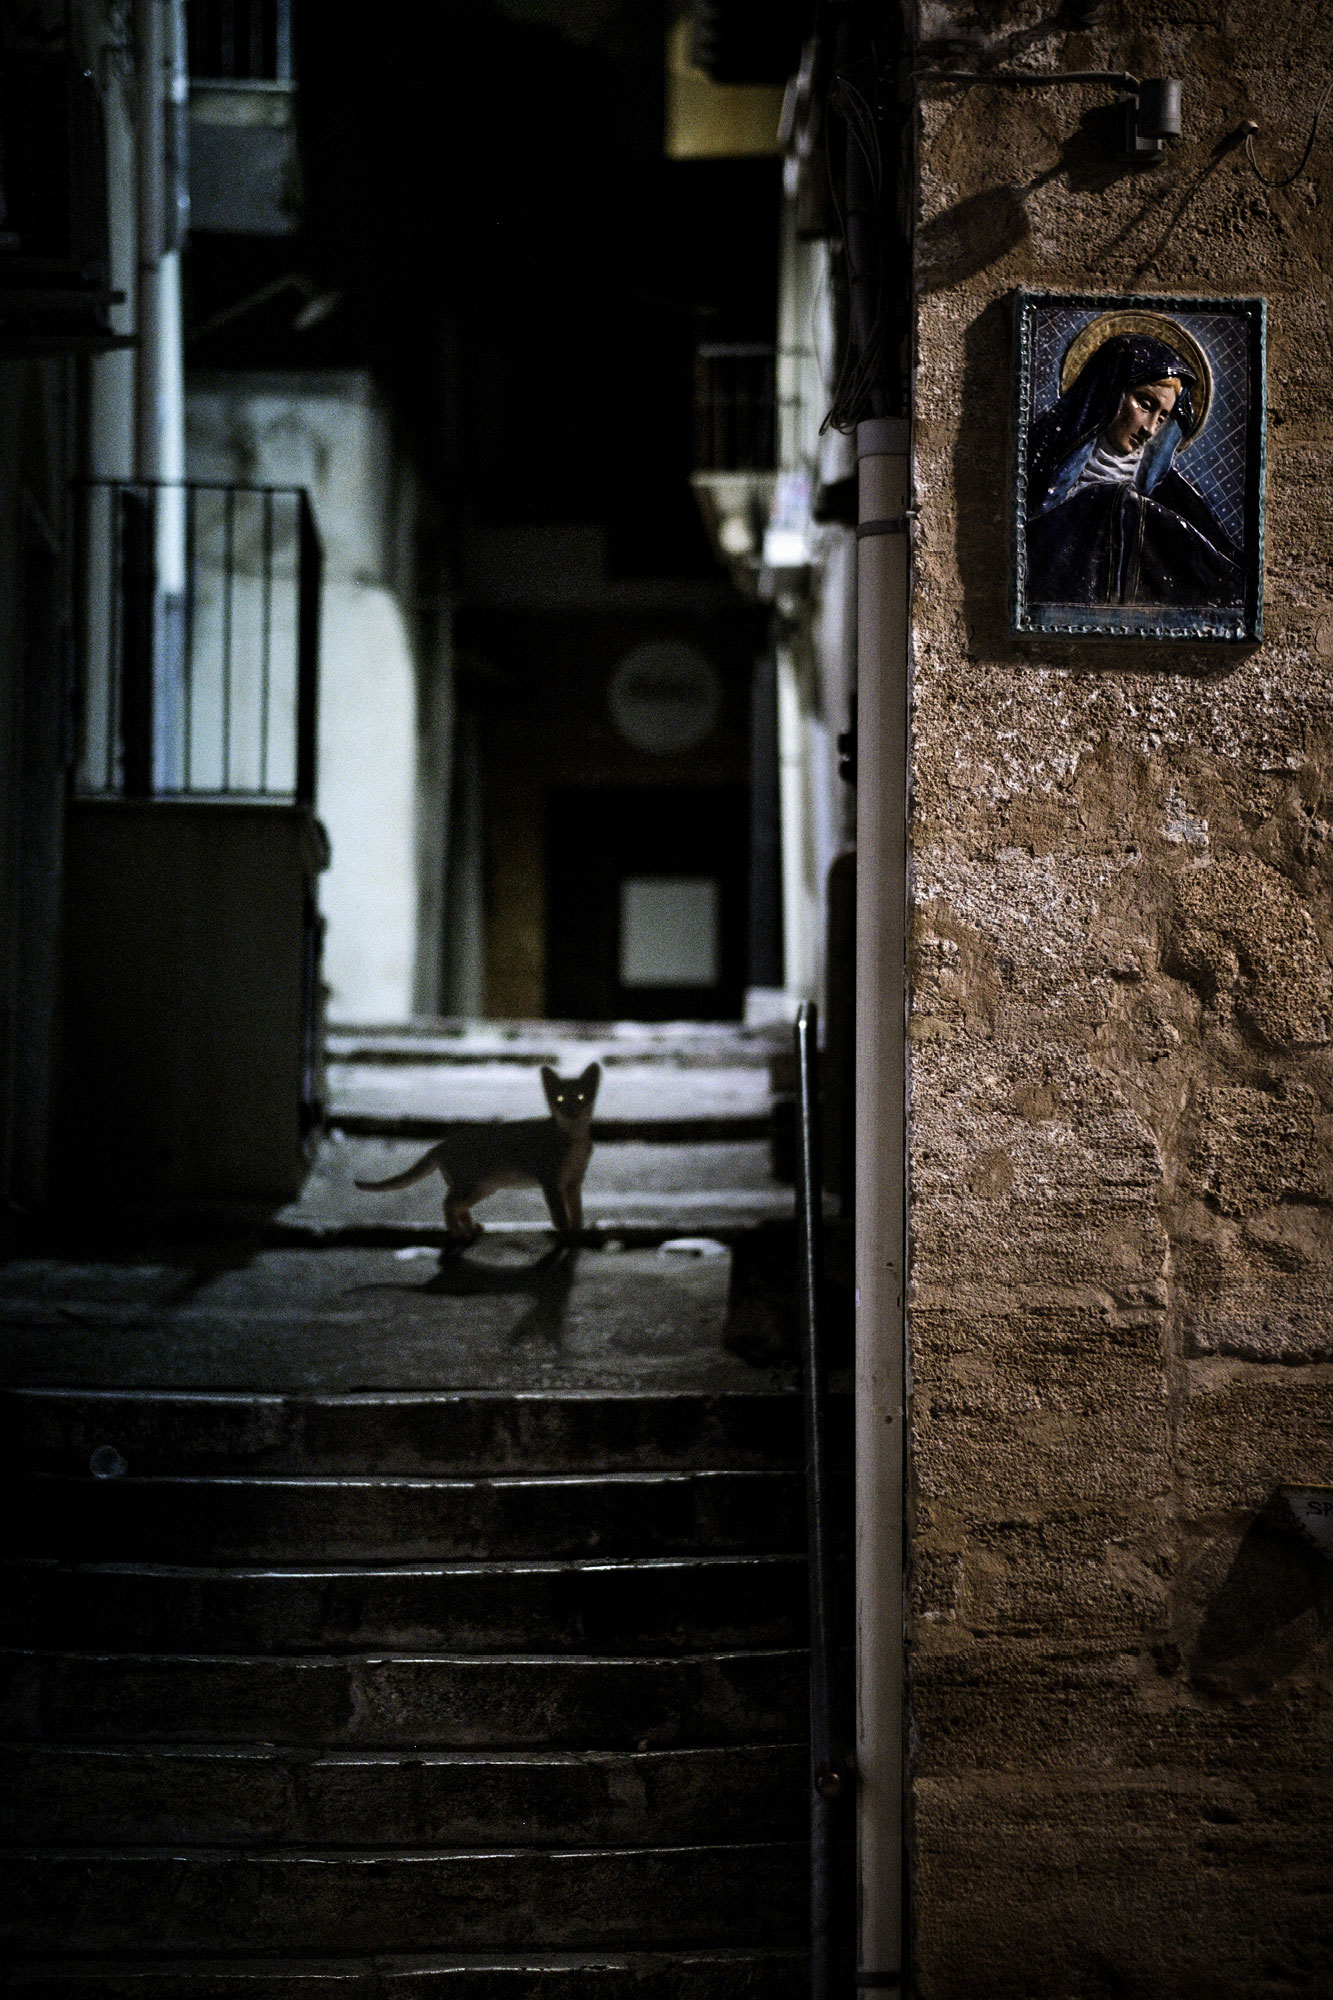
(1143,410)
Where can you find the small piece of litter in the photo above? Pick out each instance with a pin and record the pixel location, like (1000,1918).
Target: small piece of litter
(692,1246)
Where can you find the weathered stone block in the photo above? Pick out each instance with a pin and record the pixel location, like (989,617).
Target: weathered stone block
(1243,939)
(1068,1408)
(1253,1148)
(1005,1704)
(1239,1433)
(1099,1573)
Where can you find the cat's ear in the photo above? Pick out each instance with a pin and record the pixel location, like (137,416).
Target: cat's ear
(591,1077)
(549,1080)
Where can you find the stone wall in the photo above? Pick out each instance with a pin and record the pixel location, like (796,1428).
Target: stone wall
(1122,1085)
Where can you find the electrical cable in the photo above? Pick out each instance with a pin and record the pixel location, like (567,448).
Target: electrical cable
(1301,165)
(863,353)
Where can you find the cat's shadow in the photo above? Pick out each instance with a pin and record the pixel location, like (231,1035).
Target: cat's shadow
(548,1279)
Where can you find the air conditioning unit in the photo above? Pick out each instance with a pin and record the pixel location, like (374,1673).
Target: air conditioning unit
(749,41)
(53,208)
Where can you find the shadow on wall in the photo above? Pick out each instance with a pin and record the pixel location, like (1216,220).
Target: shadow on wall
(1271,1609)
(978,232)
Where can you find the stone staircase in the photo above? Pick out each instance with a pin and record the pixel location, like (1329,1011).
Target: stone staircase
(460,1693)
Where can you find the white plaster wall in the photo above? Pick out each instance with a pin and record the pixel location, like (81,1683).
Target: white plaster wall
(330,433)
(816,662)
(367,801)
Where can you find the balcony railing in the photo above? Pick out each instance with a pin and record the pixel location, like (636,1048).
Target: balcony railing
(241,41)
(199,647)
(734,407)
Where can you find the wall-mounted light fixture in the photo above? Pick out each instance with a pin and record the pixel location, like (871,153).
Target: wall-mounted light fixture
(1150,118)
(1149,106)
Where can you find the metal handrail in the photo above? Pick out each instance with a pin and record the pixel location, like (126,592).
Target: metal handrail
(195,485)
(134,639)
(829,1763)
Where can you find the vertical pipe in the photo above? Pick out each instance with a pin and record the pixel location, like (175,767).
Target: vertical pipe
(160,91)
(159,443)
(150,145)
(881,836)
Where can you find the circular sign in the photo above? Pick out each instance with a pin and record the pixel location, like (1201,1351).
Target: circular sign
(665,697)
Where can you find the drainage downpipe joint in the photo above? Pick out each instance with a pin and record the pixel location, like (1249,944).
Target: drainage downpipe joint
(882,445)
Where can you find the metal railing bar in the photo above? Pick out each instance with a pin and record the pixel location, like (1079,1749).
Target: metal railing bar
(282,51)
(266,588)
(115,664)
(189,637)
(741,350)
(228,584)
(191,485)
(138,620)
(828,1763)
(240,793)
(309,586)
(244,649)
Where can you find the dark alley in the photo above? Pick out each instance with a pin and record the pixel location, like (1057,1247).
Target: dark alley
(666,999)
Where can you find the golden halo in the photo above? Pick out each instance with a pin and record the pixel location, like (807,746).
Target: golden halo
(1085,344)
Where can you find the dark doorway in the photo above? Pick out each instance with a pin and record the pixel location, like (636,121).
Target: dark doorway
(646,903)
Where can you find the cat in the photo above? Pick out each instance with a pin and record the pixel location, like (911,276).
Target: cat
(475,1160)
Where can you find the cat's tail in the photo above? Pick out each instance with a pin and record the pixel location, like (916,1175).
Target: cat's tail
(410,1175)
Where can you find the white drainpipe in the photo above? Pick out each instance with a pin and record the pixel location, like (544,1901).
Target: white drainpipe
(881,847)
(159,441)
(792,808)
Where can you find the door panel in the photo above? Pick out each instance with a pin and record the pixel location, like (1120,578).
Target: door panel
(645,903)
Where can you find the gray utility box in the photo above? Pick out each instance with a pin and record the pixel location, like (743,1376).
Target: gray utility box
(191,1027)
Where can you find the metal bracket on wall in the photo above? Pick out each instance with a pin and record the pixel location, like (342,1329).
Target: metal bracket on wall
(1149,108)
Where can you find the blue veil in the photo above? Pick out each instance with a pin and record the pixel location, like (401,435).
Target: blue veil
(1062,437)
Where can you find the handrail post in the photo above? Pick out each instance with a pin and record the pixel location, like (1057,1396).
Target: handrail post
(309,594)
(828,1772)
(138,598)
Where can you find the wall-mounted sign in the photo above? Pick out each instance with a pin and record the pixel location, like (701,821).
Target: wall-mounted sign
(665,697)
(1139,467)
(1312,1511)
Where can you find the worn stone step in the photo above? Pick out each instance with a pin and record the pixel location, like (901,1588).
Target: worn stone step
(322,1900)
(164,1431)
(384,1700)
(773,1972)
(247,1519)
(155,1795)
(661,1605)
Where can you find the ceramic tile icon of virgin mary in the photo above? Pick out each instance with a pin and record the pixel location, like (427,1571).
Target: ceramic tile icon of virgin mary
(1139,477)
